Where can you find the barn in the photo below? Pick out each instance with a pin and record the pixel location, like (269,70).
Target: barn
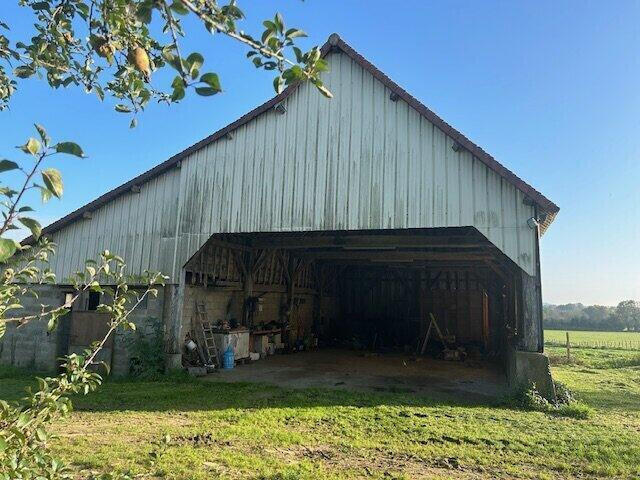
(358,223)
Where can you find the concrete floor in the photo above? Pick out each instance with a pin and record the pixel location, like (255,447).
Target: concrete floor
(352,370)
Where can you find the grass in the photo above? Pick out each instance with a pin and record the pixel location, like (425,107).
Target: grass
(593,339)
(257,431)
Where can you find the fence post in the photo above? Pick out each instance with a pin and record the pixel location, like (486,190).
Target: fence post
(568,348)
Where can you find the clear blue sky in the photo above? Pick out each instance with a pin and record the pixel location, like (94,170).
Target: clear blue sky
(550,88)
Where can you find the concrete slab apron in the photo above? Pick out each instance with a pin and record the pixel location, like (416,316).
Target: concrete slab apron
(352,370)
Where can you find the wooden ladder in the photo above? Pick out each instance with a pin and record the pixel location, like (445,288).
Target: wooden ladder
(434,324)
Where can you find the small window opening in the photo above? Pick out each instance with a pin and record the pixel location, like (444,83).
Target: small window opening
(94,301)
(68,297)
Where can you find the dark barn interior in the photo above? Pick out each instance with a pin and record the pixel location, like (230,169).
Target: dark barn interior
(375,292)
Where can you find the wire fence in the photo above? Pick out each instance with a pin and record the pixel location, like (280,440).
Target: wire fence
(604,344)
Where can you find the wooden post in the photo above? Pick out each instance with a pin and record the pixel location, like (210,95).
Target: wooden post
(247,287)
(174,302)
(568,348)
(485,319)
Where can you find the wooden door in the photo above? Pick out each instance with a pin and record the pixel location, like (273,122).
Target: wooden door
(88,327)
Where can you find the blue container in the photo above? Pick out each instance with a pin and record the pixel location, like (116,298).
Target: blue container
(228,359)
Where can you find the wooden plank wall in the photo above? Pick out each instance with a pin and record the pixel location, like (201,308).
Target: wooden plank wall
(396,302)
(215,277)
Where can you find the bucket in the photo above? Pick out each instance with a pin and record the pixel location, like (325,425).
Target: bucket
(228,358)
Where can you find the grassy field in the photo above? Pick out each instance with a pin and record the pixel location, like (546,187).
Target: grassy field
(618,340)
(261,432)
(586,335)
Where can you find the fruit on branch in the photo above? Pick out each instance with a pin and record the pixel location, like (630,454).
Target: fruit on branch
(103,47)
(138,58)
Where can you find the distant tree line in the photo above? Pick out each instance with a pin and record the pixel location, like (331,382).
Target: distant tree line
(576,316)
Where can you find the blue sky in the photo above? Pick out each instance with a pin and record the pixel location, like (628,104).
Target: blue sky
(550,88)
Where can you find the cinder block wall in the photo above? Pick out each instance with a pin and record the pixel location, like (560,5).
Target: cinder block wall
(32,346)
(147,321)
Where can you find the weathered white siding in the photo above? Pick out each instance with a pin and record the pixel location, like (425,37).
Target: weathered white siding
(140,227)
(358,161)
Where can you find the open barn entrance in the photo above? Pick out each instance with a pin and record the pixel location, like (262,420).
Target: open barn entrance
(443,295)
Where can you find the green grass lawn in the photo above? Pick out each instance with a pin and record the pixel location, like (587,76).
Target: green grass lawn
(624,340)
(262,432)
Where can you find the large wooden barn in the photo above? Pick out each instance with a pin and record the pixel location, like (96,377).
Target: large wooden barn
(342,223)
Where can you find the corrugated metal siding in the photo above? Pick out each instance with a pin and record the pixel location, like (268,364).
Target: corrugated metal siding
(358,161)
(140,227)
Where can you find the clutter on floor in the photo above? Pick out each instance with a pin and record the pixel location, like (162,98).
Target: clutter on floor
(223,344)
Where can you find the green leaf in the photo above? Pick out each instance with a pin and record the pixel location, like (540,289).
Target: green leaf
(324,90)
(294,32)
(6,165)
(134,123)
(45,194)
(144,11)
(32,146)
(7,248)
(321,65)
(212,80)
(299,55)
(53,181)
(24,72)
(279,21)
(122,108)
(206,91)
(99,92)
(71,148)
(179,7)
(43,134)
(23,419)
(41,434)
(178,94)
(33,225)
(278,84)
(41,6)
(194,61)
(3,328)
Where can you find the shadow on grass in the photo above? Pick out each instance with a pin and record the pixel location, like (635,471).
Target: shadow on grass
(183,393)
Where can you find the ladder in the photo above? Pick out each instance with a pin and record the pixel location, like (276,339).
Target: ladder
(434,324)
(209,348)
(210,344)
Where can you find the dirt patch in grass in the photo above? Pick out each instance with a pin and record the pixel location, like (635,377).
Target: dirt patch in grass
(379,462)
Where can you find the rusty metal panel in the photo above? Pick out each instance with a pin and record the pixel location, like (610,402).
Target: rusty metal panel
(363,160)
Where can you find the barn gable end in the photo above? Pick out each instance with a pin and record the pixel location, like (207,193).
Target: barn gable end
(367,159)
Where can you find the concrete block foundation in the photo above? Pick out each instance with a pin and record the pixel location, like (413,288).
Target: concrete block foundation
(524,368)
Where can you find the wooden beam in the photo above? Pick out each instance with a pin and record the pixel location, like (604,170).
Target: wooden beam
(393,256)
(369,241)
(223,243)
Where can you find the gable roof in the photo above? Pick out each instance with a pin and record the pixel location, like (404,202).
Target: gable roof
(334,43)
